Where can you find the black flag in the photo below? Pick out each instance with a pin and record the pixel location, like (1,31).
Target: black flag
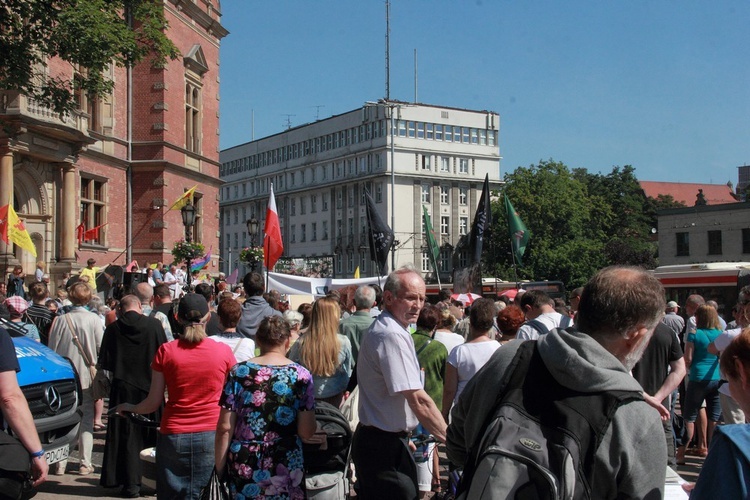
(481,225)
(381,236)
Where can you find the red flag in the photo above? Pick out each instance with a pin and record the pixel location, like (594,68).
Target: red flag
(80,231)
(93,233)
(273,246)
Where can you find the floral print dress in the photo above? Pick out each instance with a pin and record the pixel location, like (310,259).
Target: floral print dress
(265,453)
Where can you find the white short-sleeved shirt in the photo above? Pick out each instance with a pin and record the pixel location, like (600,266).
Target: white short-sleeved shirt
(387,365)
(551,320)
(722,342)
(468,359)
(245,347)
(448,339)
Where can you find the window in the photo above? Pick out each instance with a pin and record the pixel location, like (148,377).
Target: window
(350,197)
(426,162)
(420,130)
(714,243)
(325,202)
(293,233)
(463,166)
(745,240)
(313,203)
(411,129)
(464,135)
(446,255)
(303,234)
(363,262)
(338,264)
(293,206)
(429,130)
(463,224)
(302,205)
(463,195)
(350,261)
(193,116)
(339,197)
(379,192)
(93,207)
(314,232)
(683,244)
(445,192)
(426,262)
(325,230)
(448,133)
(425,193)
(445,164)
(438,132)
(236,216)
(444,224)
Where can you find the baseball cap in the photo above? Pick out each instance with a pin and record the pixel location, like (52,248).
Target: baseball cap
(672,304)
(193,307)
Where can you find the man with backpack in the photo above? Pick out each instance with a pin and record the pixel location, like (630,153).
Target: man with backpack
(541,316)
(561,417)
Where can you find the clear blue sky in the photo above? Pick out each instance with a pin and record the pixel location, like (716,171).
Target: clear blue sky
(660,85)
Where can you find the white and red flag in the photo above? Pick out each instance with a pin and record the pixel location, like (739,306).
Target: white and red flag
(273,246)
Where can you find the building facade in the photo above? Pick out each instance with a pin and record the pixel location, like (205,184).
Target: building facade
(119,162)
(405,155)
(704,233)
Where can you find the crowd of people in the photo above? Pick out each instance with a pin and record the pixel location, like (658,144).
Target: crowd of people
(232,378)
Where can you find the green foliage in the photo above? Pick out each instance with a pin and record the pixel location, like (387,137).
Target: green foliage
(88,34)
(580,222)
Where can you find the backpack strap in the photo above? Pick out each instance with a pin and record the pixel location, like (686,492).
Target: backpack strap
(538,326)
(153,312)
(565,322)
(424,346)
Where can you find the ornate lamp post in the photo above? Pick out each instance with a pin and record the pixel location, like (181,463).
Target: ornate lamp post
(252,229)
(188,219)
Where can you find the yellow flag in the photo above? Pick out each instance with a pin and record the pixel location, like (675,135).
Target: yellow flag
(187,197)
(13,229)
(356,273)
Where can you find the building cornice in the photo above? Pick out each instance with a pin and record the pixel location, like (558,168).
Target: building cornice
(205,21)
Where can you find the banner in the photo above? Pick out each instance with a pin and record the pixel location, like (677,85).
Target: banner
(381,236)
(273,245)
(519,235)
(434,249)
(187,197)
(13,230)
(481,225)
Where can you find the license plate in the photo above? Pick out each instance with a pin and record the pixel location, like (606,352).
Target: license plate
(58,454)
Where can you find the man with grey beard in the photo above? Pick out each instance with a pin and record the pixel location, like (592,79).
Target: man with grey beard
(619,309)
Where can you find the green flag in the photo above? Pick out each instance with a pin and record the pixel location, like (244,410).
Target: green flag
(434,249)
(519,235)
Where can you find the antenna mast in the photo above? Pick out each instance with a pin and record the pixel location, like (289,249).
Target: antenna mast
(387,50)
(288,123)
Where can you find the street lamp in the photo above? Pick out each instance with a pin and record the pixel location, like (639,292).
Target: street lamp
(188,219)
(252,230)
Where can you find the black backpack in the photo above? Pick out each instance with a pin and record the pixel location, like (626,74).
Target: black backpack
(540,441)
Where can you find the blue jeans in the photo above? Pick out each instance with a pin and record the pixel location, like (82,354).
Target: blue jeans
(183,464)
(697,391)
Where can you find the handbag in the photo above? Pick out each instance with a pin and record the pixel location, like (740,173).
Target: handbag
(216,489)
(101,385)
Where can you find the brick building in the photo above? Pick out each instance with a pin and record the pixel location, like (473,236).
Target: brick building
(105,165)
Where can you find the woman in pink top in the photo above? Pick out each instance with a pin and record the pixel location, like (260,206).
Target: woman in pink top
(193,372)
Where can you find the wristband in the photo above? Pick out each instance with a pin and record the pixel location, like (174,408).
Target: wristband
(38,454)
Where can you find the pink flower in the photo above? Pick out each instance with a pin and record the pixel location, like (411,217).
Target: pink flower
(270,437)
(245,471)
(263,374)
(259,398)
(267,463)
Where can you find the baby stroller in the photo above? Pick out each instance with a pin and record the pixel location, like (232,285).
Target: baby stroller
(327,465)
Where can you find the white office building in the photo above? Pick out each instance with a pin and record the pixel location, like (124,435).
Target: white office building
(406,155)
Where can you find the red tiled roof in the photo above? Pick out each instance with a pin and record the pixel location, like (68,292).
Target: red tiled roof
(686,192)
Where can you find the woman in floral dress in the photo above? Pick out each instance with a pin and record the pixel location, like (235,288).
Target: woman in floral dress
(267,407)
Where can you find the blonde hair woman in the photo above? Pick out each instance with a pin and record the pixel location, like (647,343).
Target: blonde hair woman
(324,352)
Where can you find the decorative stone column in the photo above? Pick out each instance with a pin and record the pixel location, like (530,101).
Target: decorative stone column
(6,197)
(67,220)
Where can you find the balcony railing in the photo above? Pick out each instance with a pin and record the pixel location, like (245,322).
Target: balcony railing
(14,103)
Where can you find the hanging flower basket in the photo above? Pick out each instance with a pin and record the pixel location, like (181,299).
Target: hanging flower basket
(184,251)
(251,255)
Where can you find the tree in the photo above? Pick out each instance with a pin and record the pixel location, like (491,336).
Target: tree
(88,34)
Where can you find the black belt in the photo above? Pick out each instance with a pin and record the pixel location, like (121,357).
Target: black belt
(371,428)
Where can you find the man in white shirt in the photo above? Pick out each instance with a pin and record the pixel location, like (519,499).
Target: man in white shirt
(541,316)
(172,282)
